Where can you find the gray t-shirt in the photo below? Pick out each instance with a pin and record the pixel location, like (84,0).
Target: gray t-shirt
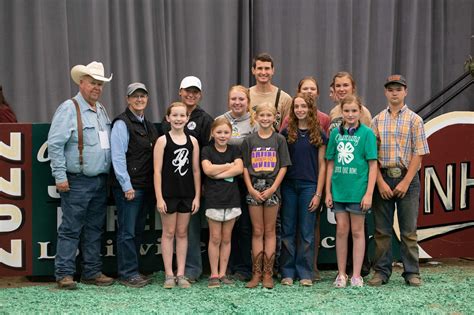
(241,127)
(264,158)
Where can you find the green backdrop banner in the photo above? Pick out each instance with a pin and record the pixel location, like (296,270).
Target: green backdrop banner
(30,209)
(41,210)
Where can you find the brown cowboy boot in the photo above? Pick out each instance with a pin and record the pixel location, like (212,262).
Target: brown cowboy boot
(256,271)
(267,280)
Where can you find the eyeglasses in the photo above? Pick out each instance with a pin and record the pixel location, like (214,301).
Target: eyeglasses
(138,96)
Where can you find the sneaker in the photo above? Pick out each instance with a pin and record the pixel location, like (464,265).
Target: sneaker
(213,282)
(147,277)
(377,280)
(191,279)
(287,281)
(414,281)
(134,282)
(306,282)
(101,280)
(341,281)
(226,280)
(357,282)
(67,283)
(183,283)
(170,282)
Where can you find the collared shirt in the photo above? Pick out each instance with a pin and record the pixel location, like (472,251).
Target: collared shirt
(399,138)
(119,144)
(63,140)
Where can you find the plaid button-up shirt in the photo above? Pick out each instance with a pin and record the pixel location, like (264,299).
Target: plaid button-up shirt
(399,138)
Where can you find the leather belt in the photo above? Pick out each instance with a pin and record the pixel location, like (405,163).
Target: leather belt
(394,172)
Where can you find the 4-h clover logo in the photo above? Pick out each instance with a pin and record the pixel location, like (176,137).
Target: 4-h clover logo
(345,155)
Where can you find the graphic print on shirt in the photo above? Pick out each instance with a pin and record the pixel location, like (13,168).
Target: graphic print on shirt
(191,125)
(345,153)
(180,161)
(235,131)
(264,159)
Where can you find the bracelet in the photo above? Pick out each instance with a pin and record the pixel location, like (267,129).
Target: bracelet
(318,195)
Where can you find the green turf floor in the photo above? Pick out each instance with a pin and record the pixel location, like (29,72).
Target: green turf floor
(446,290)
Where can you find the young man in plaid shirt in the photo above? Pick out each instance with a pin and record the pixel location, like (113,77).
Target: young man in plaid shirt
(402,145)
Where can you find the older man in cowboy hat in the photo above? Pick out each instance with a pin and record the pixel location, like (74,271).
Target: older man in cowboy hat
(79,149)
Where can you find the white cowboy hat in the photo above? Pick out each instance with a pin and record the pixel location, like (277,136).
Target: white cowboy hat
(94,69)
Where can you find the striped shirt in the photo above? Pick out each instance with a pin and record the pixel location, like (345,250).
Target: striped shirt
(399,138)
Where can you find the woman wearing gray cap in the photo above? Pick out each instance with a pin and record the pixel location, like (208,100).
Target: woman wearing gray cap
(132,141)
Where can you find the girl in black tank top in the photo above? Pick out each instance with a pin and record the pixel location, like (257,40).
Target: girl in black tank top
(178,169)
(177,179)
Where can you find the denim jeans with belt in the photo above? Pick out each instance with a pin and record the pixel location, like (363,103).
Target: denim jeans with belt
(407,211)
(297,252)
(131,217)
(84,209)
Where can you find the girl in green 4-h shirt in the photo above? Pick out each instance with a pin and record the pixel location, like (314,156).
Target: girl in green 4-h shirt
(350,180)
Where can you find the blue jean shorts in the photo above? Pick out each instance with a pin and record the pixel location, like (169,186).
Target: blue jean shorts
(351,207)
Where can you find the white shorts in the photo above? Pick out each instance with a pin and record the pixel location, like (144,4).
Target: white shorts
(223,214)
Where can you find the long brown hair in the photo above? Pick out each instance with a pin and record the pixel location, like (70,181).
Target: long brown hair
(313,123)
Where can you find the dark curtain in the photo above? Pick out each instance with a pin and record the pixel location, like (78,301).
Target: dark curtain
(158,42)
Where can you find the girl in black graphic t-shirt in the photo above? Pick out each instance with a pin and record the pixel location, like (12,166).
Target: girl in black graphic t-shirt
(222,163)
(178,190)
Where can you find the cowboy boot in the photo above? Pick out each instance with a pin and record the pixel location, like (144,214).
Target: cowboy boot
(267,280)
(256,271)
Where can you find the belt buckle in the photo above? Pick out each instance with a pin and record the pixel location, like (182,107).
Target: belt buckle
(394,172)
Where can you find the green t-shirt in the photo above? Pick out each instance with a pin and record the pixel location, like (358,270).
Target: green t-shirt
(351,167)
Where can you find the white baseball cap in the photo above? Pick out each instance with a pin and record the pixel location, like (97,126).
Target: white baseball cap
(189,82)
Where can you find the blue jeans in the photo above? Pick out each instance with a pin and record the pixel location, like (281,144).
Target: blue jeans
(131,217)
(193,267)
(407,211)
(84,209)
(240,260)
(297,252)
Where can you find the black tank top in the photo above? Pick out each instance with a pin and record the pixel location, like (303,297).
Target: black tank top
(177,172)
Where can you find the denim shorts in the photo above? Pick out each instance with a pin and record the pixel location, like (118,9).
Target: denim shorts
(351,207)
(261,185)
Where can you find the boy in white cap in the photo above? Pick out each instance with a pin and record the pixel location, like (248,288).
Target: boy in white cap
(79,149)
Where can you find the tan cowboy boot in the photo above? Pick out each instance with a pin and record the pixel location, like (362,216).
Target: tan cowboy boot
(267,280)
(256,271)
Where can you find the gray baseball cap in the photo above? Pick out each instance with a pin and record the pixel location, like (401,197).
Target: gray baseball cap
(132,87)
